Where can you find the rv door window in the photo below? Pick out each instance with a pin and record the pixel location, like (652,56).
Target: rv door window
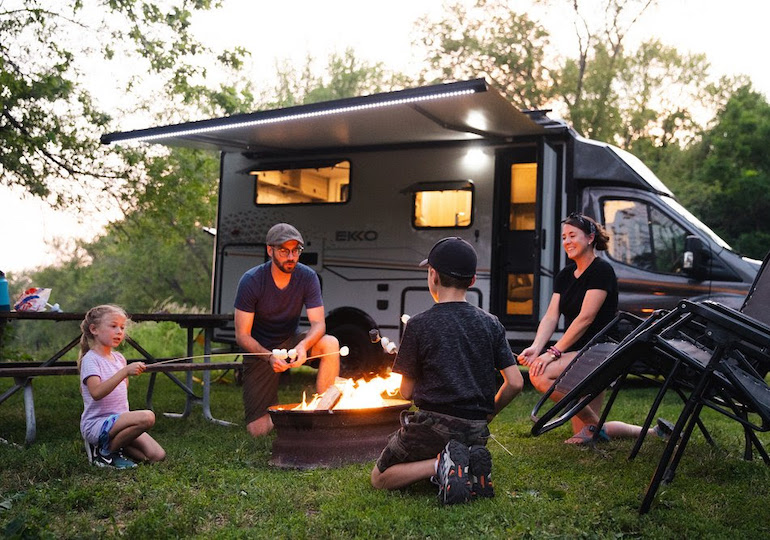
(642,236)
(303,185)
(436,206)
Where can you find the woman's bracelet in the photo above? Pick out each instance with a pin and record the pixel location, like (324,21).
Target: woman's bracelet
(554,352)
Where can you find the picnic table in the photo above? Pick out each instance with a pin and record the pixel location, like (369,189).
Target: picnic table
(23,372)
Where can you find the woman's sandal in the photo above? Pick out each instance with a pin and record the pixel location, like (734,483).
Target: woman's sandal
(586,436)
(663,429)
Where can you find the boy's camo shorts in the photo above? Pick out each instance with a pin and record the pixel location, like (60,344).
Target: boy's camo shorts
(423,434)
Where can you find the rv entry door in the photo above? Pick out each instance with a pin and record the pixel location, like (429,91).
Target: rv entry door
(526,255)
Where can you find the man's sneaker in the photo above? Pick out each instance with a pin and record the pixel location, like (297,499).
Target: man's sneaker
(480,470)
(454,484)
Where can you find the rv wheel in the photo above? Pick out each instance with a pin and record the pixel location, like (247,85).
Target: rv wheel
(365,357)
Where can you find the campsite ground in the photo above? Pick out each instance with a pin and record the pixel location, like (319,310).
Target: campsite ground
(216,481)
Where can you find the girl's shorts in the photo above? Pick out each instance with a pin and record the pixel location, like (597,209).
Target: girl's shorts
(104,435)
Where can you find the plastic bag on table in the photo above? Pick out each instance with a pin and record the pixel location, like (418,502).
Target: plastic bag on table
(33,299)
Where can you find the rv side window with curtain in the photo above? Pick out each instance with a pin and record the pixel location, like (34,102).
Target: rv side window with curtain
(314,183)
(442,204)
(642,236)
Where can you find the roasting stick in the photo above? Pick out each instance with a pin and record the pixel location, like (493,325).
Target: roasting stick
(344,351)
(501,444)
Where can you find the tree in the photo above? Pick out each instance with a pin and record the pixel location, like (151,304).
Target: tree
(50,123)
(345,76)
(606,92)
(489,40)
(729,186)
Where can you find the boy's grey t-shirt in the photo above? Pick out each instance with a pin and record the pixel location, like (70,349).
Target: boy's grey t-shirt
(277,311)
(453,352)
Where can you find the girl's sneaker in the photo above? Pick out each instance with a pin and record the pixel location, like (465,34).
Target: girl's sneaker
(116,460)
(480,470)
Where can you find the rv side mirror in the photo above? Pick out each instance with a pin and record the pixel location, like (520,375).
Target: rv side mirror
(695,258)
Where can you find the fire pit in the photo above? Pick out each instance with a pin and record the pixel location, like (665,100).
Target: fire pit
(307,439)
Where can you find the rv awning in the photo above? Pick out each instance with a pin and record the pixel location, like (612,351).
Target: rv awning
(468,110)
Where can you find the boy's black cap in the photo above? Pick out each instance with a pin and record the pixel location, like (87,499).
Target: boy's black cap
(452,256)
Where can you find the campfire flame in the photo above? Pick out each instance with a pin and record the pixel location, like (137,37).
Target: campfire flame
(359,394)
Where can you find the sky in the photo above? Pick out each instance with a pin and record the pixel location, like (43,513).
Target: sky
(733,35)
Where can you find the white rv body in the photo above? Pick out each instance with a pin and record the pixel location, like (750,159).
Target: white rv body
(520,173)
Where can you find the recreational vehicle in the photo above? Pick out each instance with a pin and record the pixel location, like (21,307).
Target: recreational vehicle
(373,181)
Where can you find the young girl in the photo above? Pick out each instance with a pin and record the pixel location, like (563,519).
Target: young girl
(107,425)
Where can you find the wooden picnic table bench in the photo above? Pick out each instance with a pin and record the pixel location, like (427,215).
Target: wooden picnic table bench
(23,372)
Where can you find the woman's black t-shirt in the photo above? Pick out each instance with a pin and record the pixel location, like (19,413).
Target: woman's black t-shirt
(572,291)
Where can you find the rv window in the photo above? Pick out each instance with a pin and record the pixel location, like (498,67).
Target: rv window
(523,196)
(443,207)
(642,236)
(312,184)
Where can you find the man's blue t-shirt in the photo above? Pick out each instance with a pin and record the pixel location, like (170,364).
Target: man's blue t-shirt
(277,311)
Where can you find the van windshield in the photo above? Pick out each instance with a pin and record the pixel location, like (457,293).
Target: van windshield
(682,211)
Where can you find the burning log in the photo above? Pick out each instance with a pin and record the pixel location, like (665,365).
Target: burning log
(329,398)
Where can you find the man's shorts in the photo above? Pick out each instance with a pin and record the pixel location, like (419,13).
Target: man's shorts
(423,434)
(260,382)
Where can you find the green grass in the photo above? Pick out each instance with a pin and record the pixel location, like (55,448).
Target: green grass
(216,481)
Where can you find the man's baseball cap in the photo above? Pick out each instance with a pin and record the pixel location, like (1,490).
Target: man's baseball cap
(281,233)
(452,256)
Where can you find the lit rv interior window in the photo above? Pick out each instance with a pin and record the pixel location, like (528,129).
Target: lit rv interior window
(443,204)
(523,195)
(520,290)
(312,184)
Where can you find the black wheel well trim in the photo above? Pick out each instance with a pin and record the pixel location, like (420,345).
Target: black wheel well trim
(350,315)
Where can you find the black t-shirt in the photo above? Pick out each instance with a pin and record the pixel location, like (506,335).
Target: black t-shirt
(572,291)
(453,352)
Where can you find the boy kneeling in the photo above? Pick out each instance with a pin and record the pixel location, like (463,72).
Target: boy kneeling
(449,356)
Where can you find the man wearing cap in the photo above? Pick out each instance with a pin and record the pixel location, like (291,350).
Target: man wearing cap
(449,359)
(268,305)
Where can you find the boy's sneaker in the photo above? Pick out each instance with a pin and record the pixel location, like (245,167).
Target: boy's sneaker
(454,484)
(480,471)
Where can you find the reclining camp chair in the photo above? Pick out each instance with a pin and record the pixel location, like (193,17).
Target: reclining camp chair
(729,355)
(592,371)
(619,350)
(686,348)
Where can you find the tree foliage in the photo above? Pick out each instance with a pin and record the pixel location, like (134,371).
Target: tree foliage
(344,76)
(606,91)
(50,123)
(728,184)
(489,40)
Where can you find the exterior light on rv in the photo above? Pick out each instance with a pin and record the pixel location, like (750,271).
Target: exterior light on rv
(475,157)
(298,116)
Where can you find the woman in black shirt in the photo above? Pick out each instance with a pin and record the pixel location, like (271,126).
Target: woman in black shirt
(586,293)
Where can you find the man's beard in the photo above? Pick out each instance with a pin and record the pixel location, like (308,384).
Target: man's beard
(282,266)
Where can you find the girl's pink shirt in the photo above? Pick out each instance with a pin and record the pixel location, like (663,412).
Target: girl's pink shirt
(116,402)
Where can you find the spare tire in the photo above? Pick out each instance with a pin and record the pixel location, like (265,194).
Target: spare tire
(365,358)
